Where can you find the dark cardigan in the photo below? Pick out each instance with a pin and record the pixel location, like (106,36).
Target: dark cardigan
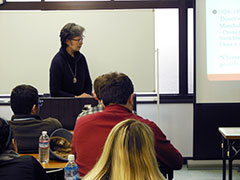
(61,76)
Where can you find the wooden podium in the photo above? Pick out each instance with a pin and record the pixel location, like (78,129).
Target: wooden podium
(65,109)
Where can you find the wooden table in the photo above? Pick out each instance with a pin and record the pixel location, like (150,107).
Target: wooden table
(52,164)
(230,135)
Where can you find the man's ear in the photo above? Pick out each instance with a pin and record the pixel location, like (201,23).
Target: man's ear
(34,109)
(129,104)
(95,96)
(130,99)
(102,103)
(13,145)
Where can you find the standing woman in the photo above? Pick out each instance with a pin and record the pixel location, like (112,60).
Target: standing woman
(69,74)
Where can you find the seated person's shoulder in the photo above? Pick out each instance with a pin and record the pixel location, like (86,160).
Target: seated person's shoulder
(52,121)
(21,162)
(88,119)
(24,167)
(26,158)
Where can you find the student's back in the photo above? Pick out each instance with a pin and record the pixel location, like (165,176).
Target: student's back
(28,131)
(26,124)
(22,168)
(91,131)
(13,166)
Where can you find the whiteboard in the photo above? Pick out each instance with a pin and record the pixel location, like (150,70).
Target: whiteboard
(116,40)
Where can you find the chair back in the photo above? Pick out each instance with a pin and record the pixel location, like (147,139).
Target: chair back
(167,173)
(55,174)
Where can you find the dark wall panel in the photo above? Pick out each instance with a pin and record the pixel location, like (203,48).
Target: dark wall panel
(207,119)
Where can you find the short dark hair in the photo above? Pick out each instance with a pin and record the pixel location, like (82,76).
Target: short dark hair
(116,88)
(69,31)
(98,82)
(5,135)
(23,97)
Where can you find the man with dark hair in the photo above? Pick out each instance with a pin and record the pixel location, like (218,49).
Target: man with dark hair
(26,123)
(23,98)
(91,131)
(117,89)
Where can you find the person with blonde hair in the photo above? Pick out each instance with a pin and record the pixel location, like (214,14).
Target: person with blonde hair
(128,154)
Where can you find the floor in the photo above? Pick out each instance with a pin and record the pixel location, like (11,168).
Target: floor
(203,173)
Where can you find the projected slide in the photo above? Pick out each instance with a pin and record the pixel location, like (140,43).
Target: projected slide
(223,40)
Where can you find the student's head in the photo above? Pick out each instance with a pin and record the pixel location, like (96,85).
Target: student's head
(69,32)
(98,82)
(6,137)
(128,154)
(116,89)
(24,99)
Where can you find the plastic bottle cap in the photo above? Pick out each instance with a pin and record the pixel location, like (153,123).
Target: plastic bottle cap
(44,132)
(71,157)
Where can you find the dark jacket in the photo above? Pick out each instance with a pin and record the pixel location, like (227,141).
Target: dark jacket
(28,128)
(61,75)
(22,168)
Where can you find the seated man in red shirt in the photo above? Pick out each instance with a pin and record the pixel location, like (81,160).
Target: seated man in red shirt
(91,131)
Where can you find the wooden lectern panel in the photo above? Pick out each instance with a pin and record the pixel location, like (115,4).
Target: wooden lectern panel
(65,109)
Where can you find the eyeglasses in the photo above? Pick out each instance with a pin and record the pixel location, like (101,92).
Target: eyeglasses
(79,40)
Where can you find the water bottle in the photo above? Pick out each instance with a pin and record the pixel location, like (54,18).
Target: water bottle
(71,169)
(43,148)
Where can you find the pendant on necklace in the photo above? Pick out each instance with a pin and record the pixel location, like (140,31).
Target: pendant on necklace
(74,80)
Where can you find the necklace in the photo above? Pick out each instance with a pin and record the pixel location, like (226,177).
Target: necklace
(74,75)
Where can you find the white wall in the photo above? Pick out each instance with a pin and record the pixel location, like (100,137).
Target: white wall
(176,121)
(116,40)
(5,112)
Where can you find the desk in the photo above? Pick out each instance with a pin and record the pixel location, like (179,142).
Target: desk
(230,135)
(52,164)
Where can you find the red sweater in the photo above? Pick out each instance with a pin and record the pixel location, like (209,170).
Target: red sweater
(91,131)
